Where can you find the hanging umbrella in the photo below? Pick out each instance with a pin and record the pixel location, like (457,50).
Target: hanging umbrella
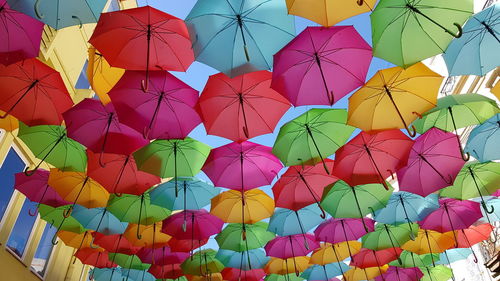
(433,163)
(167,272)
(165,111)
(147,39)
(256,236)
(279,277)
(9,123)
(21,35)
(33,92)
(106,274)
(289,247)
(149,236)
(457,111)
(369,273)
(247,260)
(235,274)
(99,219)
(288,222)
(312,137)
(242,107)
(436,273)
(185,245)
(454,255)
(371,258)
(94,258)
(139,275)
(128,262)
(57,218)
(102,77)
(237,37)
(410,259)
(331,62)
(115,243)
(468,237)
(394,273)
(51,144)
(119,174)
(325,272)
(335,253)
(209,277)
(345,229)
(161,256)
(287,266)
(482,139)
(301,186)
(408,31)
(192,224)
(202,263)
(429,241)
(251,206)
(475,52)
(97,127)
(369,158)
(77,240)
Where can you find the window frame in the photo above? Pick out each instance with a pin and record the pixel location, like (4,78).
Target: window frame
(49,259)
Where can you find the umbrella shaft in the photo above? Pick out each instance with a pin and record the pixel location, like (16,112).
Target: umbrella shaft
(31,86)
(329,95)
(490,31)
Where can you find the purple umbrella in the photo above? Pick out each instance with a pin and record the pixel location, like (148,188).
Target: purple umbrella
(161,256)
(20,35)
(164,111)
(36,189)
(291,246)
(321,65)
(434,162)
(395,273)
(242,166)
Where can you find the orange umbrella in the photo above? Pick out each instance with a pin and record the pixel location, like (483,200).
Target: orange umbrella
(369,273)
(286,266)
(150,235)
(102,76)
(430,241)
(330,253)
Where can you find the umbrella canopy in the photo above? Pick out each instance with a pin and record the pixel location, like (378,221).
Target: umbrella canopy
(77,240)
(454,255)
(285,277)
(33,92)
(202,263)
(436,273)
(371,258)
(185,245)
(406,32)
(242,107)
(95,258)
(394,97)
(235,274)
(291,246)
(192,224)
(247,260)
(107,274)
(325,272)
(99,219)
(102,76)
(394,273)
(369,273)
(169,272)
(247,33)
(116,243)
(256,236)
(287,266)
(410,259)
(57,218)
(338,252)
(161,256)
(482,139)
(147,236)
(251,206)
(289,222)
(128,262)
(466,238)
(429,241)
(406,207)
(331,62)
(136,209)
(344,229)
(475,52)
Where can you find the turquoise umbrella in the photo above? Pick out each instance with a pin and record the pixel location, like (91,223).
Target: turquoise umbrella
(286,222)
(106,274)
(476,52)
(247,260)
(60,14)
(454,255)
(325,272)
(239,36)
(138,275)
(99,219)
(484,139)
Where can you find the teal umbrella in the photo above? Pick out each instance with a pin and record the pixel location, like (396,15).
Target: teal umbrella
(247,260)
(484,139)
(325,272)
(239,36)
(99,219)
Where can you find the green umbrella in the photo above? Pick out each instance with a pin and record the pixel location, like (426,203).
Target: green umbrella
(457,111)
(128,262)
(256,236)
(287,277)
(405,32)
(313,136)
(202,263)
(410,259)
(136,209)
(344,201)
(172,158)
(437,273)
(55,216)
(51,144)
(182,278)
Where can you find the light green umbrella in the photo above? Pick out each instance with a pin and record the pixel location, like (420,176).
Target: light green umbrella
(55,216)
(128,262)
(410,259)
(256,236)
(312,137)
(202,263)
(437,273)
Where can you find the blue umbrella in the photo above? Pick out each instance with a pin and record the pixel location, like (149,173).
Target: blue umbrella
(138,275)
(246,260)
(239,36)
(106,274)
(484,139)
(60,14)
(325,272)
(493,203)
(454,255)
(476,52)
(99,219)
(286,222)
(194,194)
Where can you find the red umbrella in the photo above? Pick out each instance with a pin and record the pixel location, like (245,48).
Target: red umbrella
(468,237)
(34,93)
(119,174)
(371,258)
(165,111)
(371,158)
(170,271)
(116,243)
(236,274)
(95,258)
(161,256)
(242,107)
(301,186)
(185,245)
(192,224)
(143,38)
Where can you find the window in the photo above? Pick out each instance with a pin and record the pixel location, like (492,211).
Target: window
(42,255)
(21,232)
(83,82)
(12,164)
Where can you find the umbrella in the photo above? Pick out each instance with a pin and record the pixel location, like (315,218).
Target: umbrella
(256,236)
(482,139)
(234,206)
(167,272)
(429,241)
(51,144)
(369,273)
(291,246)
(335,253)
(192,224)
(161,256)
(99,219)
(242,107)
(301,186)
(21,35)
(393,98)
(325,272)
(330,12)
(492,204)
(475,52)
(147,39)
(185,245)
(436,273)
(77,240)
(287,266)
(165,111)
(97,127)
(115,243)
(61,14)
(279,277)
(410,259)
(102,76)
(33,92)
(371,258)
(312,137)
(408,31)
(95,258)
(454,255)
(147,236)
(235,274)
(433,163)
(237,37)
(247,260)
(468,237)
(139,275)
(289,222)
(394,273)
(330,61)
(344,229)
(106,274)
(55,216)
(128,261)
(369,158)
(457,111)
(202,263)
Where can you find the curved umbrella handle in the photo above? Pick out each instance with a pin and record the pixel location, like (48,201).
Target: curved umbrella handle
(118,194)
(29,173)
(139,236)
(67,212)
(391,173)
(4,115)
(54,239)
(323,213)
(485,207)
(412,132)
(145,132)
(33,214)
(245,131)
(79,21)
(92,245)
(37,11)
(101,163)
(460,31)
(360,2)
(145,85)
(418,114)
(465,155)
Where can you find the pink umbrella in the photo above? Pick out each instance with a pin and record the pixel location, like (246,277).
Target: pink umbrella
(192,224)
(395,273)
(97,127)
(161,256)
(291,246)
(242,166)
(434,162)
(236,274)
(20,35)
(165,111)
(321,65)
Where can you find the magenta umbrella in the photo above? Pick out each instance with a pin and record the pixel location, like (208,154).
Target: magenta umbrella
(161,256)
(192,224)
(291,246)
(97,127)
(20,35)
(37,189)
(434,162)
(395,273)
(321,65)
(164,111)
(242,166)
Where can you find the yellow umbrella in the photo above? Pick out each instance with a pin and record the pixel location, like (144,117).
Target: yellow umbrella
(151,235)
(329,12)
(228,206)
(369,273)
(102,77)
(330,253)
(393,98)
(9,123)
(286,266)
(496,90)
(77,240)
(212,277)
(430,241)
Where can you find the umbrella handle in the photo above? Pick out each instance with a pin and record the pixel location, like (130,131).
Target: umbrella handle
(30,173)
(145,132)
(92,245)
(37,11)
(145,85)
(392,174)
(118,194)
(91,276)
(101,163)
(67,212)
(360,2)
(412,132)
(418,114)
(460,31)
(485,207)
(33,214)
(79,21)
(465,155)
(54,240)
(323,213)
